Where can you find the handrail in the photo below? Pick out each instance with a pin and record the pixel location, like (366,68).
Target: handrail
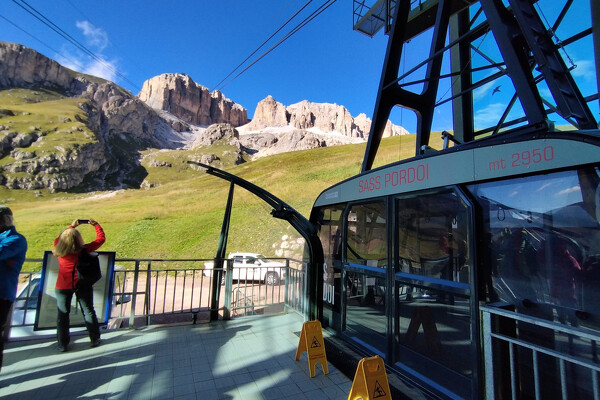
(510,355)
(144,292)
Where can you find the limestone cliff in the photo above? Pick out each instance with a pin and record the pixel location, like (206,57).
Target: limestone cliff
(268,112)
(276,128)
(21,66)
(179,95)
(324,117)
(95,139)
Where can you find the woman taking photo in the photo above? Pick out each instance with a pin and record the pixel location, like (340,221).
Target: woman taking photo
(67,248)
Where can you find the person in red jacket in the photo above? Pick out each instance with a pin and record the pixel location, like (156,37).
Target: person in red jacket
(67,248)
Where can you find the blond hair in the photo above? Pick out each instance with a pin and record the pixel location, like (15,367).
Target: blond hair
(70,241)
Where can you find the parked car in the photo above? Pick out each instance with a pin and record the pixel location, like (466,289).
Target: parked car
(251,267)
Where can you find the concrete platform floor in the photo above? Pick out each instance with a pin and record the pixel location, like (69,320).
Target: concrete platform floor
(244,358)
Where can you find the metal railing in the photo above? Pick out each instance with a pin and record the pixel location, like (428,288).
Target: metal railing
(163,291)
(529,357)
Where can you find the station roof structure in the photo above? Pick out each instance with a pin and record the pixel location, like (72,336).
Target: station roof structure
(369,16)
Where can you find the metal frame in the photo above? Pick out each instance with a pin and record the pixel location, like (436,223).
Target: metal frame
(492,317)
(525,44)
(283,211)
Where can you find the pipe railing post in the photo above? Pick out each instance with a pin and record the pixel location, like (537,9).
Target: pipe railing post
(228,290)
(134,295)
(147,294)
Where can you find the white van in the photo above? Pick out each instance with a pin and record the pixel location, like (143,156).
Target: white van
(252,267)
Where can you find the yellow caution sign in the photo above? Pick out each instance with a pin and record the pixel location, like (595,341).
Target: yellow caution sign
(370,381)
(311,341)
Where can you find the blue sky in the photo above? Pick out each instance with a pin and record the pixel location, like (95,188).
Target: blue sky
(325,61)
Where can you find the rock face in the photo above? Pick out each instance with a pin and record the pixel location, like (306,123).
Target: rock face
(179,95)
(100,147)
(95,138)
(225,134)
(276,128)
(324,117)
(217,132)
(270,144)
(25,67)
(268,113)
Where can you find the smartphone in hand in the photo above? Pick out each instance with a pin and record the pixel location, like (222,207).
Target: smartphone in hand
(83,221)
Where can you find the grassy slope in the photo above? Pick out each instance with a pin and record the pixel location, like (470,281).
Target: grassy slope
(181,217)
(57,118)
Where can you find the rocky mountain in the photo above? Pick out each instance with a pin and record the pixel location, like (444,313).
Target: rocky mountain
(180,96)
(62,130)
(94,138)
(277,128)
(322,117)
(91,143)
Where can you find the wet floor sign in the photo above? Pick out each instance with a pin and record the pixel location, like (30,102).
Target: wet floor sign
(311,341)
(370,381)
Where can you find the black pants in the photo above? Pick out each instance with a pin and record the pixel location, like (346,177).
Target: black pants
(85,298)
(5,306)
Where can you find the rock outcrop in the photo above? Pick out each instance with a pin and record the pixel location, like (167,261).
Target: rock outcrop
(268,112)
(269,144)
(100,145)
(276,128)
(179,95)
(225,134)
(217,132)
(24,67)
(323,117)
(96,141)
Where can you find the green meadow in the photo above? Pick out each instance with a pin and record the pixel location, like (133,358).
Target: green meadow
(182,216)
(181,213)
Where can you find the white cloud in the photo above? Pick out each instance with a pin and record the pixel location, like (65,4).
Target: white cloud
(544,186)
(69,61)
(104,69)
(96,37)
(574,189)
(585,69)
(97,42)
(489,115)
(101,68)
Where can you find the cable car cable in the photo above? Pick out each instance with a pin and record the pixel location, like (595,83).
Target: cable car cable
(315,13)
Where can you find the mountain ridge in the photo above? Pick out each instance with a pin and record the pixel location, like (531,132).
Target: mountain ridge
(61,130)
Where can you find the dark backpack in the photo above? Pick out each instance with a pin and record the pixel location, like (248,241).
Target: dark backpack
(88,269)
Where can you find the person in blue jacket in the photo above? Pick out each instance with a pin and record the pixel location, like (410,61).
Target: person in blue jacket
(13,247)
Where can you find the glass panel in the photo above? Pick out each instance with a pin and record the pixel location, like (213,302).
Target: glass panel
(365,295)
(434,332)
(542,243)
(432,236)
(366,235)
(330,232)
(434,325)
(365,309)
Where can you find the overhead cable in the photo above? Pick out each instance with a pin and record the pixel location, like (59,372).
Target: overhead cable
(43,19)
(265,42)
(27,33)
(312,16)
